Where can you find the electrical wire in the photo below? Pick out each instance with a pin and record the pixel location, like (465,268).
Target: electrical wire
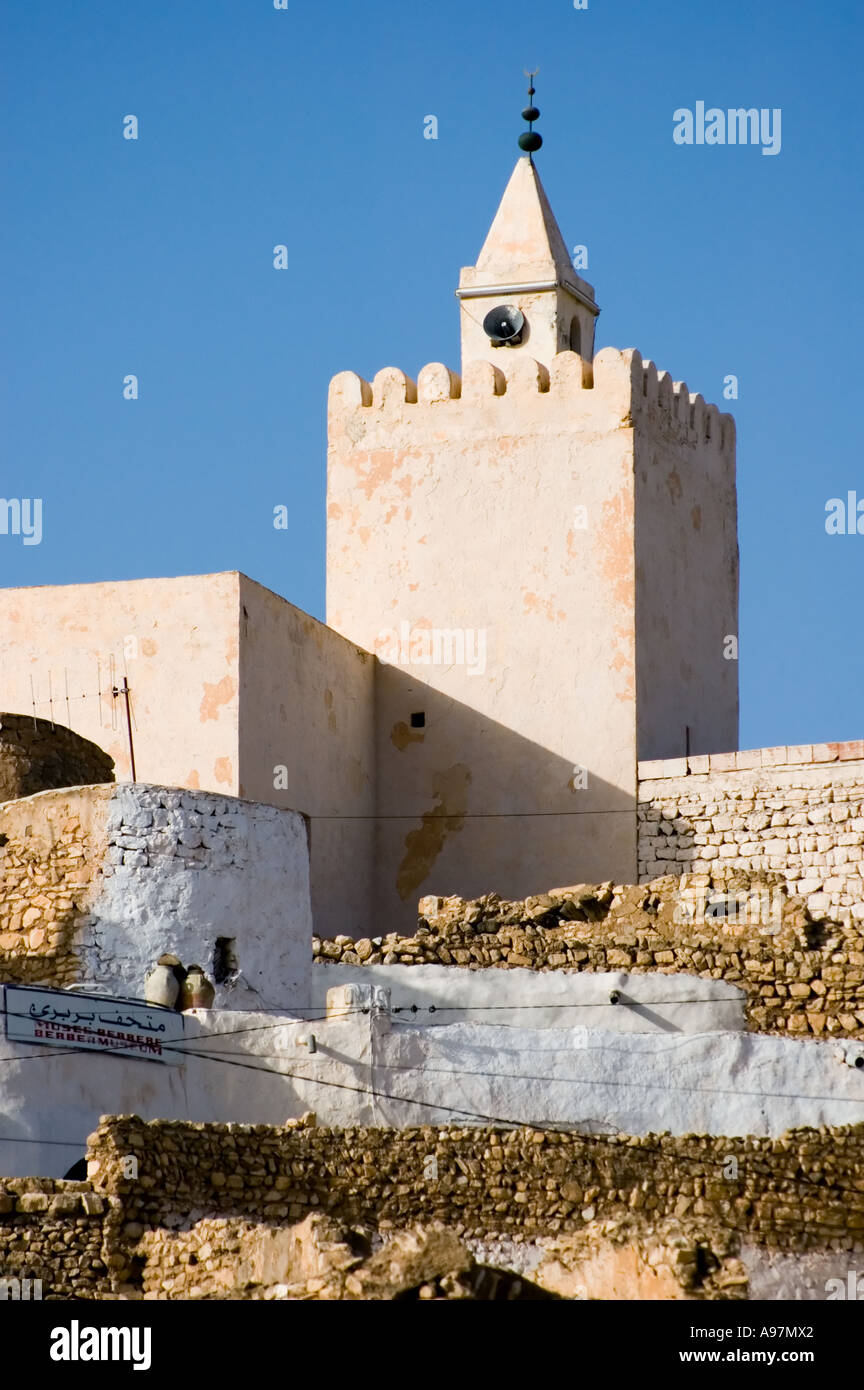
(484,815)
(567,1127)
(590,1004)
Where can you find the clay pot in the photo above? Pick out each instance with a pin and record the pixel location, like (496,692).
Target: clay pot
(163,984)
(197,991)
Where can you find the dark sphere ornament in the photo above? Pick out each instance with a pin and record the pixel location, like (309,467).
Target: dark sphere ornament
(530,141)
(531,113)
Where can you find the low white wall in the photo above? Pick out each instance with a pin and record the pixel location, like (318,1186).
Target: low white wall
(365,1070)
(51,1098)
(550,999)
(707,1083)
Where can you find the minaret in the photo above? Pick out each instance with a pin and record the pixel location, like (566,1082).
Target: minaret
(541,552)
(524,265)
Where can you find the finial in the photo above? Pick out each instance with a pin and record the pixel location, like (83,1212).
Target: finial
(529,140)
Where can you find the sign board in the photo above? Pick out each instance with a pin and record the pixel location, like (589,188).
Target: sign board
(65,1018)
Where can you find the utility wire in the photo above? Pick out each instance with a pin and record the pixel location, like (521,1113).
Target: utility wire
(284,1021)
(543,1126)
(502,1076)
(228,1060)
(483,815)
(590,1004)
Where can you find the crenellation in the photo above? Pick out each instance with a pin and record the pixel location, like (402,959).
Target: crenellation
(436,383)
(616,376)
(348,391)
(650,383)
(481,380)
(527,376)
(697,415)
(665,393)
(391,386)
(569,373)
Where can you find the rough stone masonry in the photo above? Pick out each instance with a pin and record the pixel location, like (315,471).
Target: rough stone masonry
(803,974)
(796,812)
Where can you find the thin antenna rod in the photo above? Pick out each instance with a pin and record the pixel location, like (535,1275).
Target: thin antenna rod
(124,691)
(112,676)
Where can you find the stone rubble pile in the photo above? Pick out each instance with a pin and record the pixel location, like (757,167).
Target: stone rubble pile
(52,1231)
(803,975)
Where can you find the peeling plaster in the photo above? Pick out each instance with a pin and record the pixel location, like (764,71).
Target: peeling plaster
(223,772)
(401,735)
(535,604)
(615,548)
(216,695)
(423,846)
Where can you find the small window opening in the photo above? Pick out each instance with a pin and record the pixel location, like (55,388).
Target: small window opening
(224,960)
(575,335)
(418,721)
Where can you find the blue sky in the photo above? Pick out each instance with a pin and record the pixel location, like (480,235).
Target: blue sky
(305,127)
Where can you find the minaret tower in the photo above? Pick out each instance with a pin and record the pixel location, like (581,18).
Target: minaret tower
(541,552)
(524,265)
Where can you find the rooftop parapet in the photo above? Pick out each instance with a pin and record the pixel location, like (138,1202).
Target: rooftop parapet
(616,378)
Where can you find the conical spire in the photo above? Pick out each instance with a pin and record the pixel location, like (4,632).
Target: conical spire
(524,265)
(524,241)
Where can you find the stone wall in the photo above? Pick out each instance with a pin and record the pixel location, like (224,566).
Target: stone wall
(36,755)
(797,812)
(53,1231)
(51,856)
(802,974)
(801,1192)
(214,1207)
(96,882)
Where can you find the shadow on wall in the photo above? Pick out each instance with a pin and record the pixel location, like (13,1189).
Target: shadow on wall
(466,806)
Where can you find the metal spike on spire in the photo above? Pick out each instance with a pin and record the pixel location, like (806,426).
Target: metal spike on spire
(530,141)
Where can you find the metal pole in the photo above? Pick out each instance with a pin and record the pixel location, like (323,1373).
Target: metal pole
(124,691)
